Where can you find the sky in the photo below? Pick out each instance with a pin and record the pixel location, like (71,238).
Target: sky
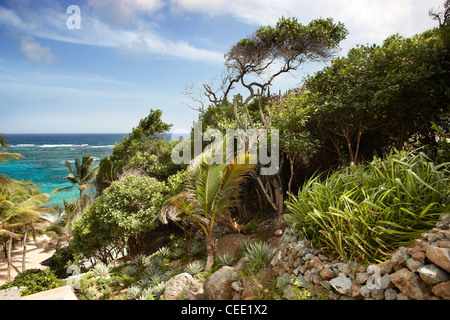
(102,68)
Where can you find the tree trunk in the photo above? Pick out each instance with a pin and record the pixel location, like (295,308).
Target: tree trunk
(227,221)
(291,160)
(9,258)
(24,248)
(210,249)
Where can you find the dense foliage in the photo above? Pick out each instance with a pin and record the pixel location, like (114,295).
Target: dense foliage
(381,97)
(145,150)
(363,211)
(34,281)
(124,210)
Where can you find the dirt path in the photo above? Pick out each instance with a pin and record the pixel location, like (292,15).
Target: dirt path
(35,255)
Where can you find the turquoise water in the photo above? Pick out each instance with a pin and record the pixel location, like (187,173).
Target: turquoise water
(45,155)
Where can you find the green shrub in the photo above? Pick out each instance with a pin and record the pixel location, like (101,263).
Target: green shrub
(365,210)
(35,280)
(124,210)
(61,259)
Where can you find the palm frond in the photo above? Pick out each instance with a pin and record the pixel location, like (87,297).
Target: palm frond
(64,189)
(5,156)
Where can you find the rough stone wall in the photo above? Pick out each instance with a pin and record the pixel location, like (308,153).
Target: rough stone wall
(420,271)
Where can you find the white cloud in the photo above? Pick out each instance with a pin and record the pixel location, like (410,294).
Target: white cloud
(369,21)
(9,17)
(34,52)
(120,12)
(144,39)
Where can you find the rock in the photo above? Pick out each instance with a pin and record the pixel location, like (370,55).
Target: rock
(445,219)
(439,256)
(183,286)
(289,292)
(230,243)
(326,284)
(326,273)
(386,267)
(442,290)
(413,264)
(400,256)
(408,283)
(444,244)
(390,294)
(278,232)
(218,285)
(342,285)
(308,256)
(402,296)
(365,291)
(361,278)
(12,293)
(419,256)
(377,294)
(356,294)
(344,268)
(314,261)
(432,274)
(385,281)
(237,286)
(276,259)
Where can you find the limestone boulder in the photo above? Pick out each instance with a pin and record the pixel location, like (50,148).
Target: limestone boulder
(218,285)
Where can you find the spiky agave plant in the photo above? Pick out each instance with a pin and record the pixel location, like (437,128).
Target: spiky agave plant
(226,259)
(258,254)
(134,292)
(195,267)
(101,270)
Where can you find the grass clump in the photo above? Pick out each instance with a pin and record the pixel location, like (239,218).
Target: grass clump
(363,211)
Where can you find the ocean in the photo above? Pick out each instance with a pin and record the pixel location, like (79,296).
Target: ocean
(45,155)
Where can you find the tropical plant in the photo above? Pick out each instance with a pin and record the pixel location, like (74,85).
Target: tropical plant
(258,254)
(363,211)
(21,207)
(81,176)
(5,156)
(226,259)
(195,267)
(134,292)
(211,191)
(159,288)
(164,252)
(101,270)
(146,294)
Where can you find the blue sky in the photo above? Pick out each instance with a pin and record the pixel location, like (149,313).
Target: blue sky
(133,55)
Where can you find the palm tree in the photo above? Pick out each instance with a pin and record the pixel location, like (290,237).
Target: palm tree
(62,221)
(211,190)
(21,205)
(82,176)
(5,156)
